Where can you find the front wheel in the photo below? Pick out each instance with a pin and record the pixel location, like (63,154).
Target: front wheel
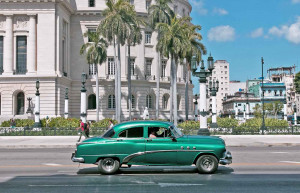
(108,166)
(207,164)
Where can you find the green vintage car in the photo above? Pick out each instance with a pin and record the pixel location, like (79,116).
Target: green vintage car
(154,143)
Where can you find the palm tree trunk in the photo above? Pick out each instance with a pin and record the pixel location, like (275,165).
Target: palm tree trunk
(157,86)
(116,82)
(129,81)
(119,83)
(97,94)
(175,93)
(186,98)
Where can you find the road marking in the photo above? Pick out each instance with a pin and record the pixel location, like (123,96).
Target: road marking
(279,152)
(51,164)
(292,162)
(163,185)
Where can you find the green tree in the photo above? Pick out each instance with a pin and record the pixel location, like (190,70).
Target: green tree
(257,111)
(116,27)
(172,42)
(160,12)
(96,53)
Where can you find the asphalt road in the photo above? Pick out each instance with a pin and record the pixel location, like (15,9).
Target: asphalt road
(254,169)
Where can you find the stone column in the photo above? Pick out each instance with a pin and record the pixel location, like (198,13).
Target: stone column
(83,105)
(285,111)
(203,118)
(66,104)
(295,118)
(247,111)
(8,47)
(31,44)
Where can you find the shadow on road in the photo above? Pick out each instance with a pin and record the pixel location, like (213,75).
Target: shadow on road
(157,170)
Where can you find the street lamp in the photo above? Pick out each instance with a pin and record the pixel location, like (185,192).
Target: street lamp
(214,87)
(263,127)
(244,112)
(202,75)
(83,98)
(196,107)
(37,122)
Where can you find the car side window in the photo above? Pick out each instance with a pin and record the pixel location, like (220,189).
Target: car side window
(135,132)
(159,132)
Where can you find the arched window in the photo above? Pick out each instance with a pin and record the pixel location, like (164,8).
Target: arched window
(20,103)
(92,102)
(111,102)
(149,101)
(165,101)
(178,102)
(133,105)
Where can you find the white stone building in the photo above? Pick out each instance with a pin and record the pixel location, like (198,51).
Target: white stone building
(220,73)
(41,39)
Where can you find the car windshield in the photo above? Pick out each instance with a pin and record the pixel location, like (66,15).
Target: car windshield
(109,133)
(177,133)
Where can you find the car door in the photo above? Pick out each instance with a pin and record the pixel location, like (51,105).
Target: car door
(130,143)
(161,150)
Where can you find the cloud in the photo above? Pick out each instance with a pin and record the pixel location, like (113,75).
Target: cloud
(198,6)
(221,34)
(220,11)
(291,33)
(257,33)
(295,1)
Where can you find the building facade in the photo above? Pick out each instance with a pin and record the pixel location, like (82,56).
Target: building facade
(41,40)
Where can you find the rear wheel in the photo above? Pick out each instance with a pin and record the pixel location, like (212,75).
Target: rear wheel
(207,164)
(108,166)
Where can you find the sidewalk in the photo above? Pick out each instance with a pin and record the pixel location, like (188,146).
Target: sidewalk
(13,142)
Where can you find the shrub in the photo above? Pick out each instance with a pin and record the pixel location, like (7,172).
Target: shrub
(19,123)
(103,123)
(227,122)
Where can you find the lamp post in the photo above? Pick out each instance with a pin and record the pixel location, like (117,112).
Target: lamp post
(196,107)
(37,123)
(263,127)
(83,98)
(202,75)
(245,112)
(214,87)
(66,104)
(29,109)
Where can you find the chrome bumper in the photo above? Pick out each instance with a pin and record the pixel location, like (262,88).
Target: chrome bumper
(226,159)
(77,159)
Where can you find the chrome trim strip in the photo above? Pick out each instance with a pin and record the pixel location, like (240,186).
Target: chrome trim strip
(226,159)
(131,156)
(78,159)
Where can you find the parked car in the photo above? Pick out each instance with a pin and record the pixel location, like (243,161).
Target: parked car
(153,143)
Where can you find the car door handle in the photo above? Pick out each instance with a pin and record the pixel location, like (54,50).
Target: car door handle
(149,140)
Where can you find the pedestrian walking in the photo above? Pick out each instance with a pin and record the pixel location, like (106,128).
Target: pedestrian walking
(81,129)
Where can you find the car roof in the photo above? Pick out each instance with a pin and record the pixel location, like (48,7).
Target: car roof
(142,123)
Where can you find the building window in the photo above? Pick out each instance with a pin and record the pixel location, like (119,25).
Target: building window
(149,101)
(91,30)
(225,66)
(165,101)
(20,103)
(183,12)
(92,102)
(1,54)
(148,67)
(163,68)
(64,47)
(132,62)
(275,92)
(92,69)
(148,37)
(132,2)
(281,93)
(148,4)
(21,54)
(133,106)
(91,3)
(111,66)
(111,102)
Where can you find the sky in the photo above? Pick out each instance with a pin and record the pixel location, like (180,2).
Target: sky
(242,32)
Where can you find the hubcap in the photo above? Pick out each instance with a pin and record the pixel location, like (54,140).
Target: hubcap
(108,164)
(207,163)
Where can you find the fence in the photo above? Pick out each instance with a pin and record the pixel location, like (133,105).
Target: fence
(46,131)
(25,131)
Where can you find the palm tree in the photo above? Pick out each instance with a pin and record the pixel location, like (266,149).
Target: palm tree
(172,42)
(160,12)
(115,27)
(196,49)
(96,53)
